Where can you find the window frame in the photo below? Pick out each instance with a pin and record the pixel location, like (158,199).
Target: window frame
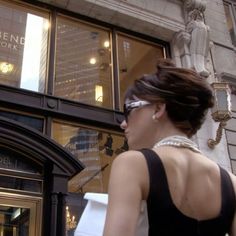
(38,11)
(50,107)
(232,9)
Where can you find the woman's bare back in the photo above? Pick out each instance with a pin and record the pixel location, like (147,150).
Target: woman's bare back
(194,182)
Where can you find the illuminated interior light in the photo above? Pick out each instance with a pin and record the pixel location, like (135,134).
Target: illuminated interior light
(98,93)
(6,67)
(70,221)
(106,44)
(92,61)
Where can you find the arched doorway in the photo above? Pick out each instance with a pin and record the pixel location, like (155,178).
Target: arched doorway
(34,171)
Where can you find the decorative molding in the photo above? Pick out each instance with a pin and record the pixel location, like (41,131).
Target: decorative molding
(133,10)
(42,149)
(231,79)
(190,5)
(24,100)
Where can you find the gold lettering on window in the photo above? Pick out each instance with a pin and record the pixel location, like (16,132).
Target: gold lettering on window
(11,41)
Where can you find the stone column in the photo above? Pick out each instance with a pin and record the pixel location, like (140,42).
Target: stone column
(54,205)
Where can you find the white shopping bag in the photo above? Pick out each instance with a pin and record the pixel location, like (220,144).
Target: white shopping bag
(93,218)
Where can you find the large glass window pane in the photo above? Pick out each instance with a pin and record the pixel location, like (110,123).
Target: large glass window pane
(83,63)
(10,182)
(23,47)
(230,22)
(20,215)
(96,149)
(17,163)
(135,58)
(14,221)
(34,122)
(74,209)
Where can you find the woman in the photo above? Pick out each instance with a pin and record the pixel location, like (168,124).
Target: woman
(186,193)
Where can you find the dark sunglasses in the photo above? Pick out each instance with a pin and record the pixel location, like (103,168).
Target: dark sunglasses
(128,107)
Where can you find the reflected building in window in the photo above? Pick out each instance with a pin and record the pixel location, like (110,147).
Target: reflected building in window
(12,39)
(85,146)
(23,49)
(83,63)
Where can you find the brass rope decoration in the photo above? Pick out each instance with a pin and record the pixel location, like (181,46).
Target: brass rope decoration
(211,142)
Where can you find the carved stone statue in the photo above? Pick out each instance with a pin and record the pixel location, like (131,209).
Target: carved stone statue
(199,43)
(190,47)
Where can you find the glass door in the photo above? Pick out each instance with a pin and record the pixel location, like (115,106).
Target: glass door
(20,215)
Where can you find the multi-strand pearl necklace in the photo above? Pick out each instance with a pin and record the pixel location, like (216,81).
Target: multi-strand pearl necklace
(178,141)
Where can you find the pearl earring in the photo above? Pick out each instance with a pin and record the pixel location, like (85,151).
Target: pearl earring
(154,117)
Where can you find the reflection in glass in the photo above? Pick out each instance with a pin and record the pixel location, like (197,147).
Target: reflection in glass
(11,160)
(23,48)
(135,58)
(14,221)
(34,58)
(95,149)
(6,67)
(33,122)
(74,209)
(71,222)
(83,63)
(21,184)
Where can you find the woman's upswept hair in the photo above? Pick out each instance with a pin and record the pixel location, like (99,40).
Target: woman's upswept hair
(186,94)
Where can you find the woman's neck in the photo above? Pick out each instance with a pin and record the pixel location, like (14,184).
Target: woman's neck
(167,132)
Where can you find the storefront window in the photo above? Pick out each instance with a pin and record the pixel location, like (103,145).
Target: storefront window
(10,182)
(23,48)
(135,58)
(83,63)
(76,204)
(95,149)
(14,220)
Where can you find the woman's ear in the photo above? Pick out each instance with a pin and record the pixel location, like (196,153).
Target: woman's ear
(159,112)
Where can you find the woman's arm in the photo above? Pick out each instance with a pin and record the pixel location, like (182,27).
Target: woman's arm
(127,180)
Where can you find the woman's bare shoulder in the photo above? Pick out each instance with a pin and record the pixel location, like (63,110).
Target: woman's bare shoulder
(129,157)
(130,169)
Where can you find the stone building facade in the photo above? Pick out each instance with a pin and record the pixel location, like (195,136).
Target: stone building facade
(64,67)
(199,38)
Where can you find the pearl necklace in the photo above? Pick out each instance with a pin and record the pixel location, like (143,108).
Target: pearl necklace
(178,141)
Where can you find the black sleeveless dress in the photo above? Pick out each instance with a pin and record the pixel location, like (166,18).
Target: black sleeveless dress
(166,220)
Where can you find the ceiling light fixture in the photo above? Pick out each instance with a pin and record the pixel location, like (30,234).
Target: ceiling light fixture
(92,61)
(106,44)
(6,67)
